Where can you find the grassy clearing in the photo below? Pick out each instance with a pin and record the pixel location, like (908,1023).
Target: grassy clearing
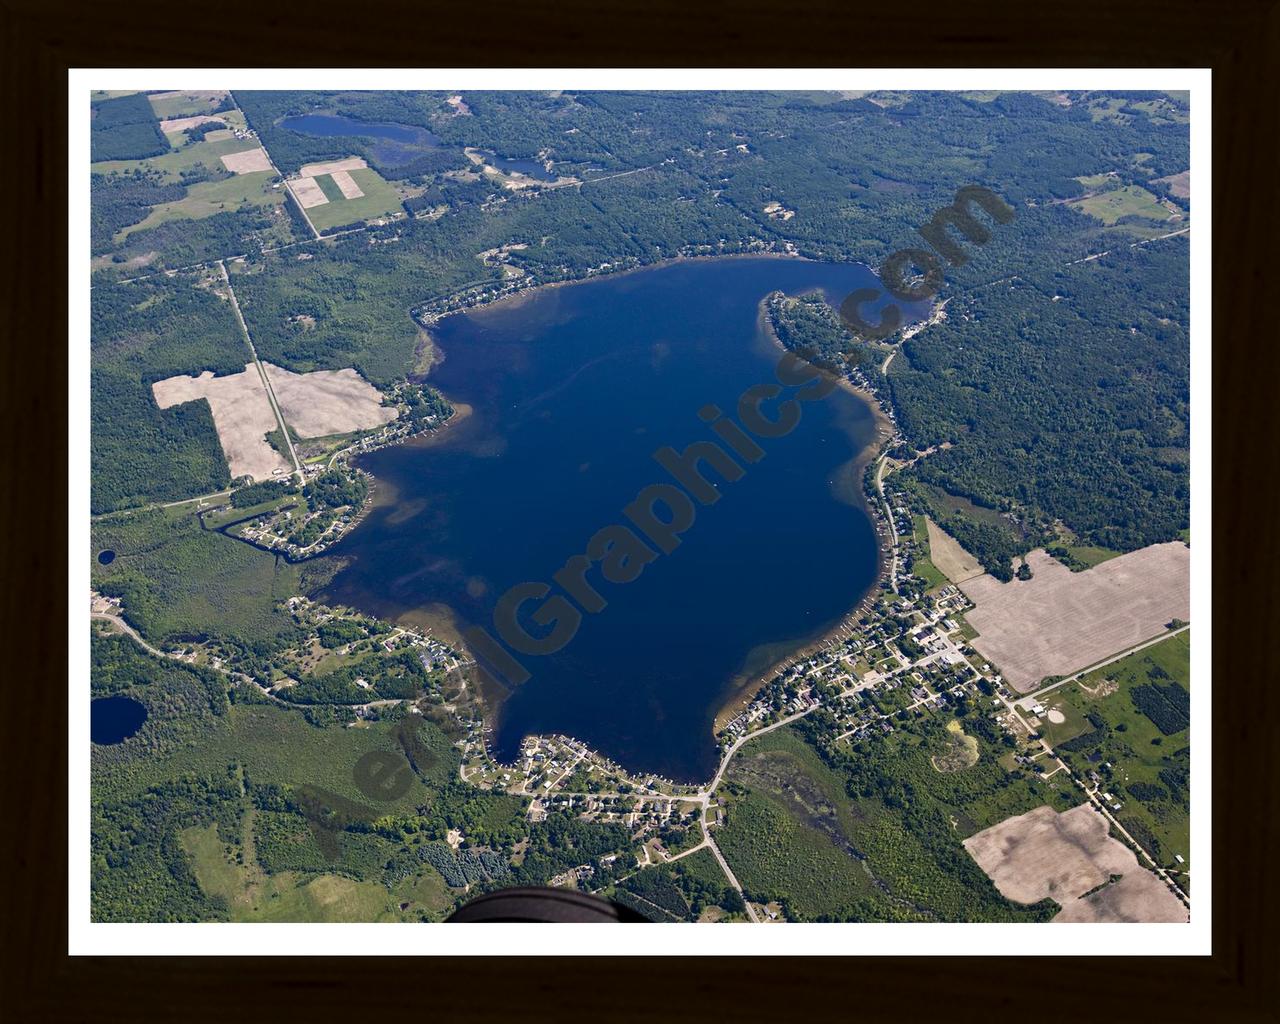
(185,103)
(1083,556)
(1095,181)
(230,871)
(212,197)
(1128,201)
(380,199)
(923,567)
(208,152)
(1107,108)
(1073,725)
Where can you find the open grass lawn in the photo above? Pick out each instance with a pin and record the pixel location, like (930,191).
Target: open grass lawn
(1149,773)
(922,565)
(379,200)
(924,568)
(210,197)
(1128,201)
(1075,723)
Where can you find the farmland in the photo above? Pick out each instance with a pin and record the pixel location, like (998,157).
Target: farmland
(324,403)
(208,152)
(947,554)
(380,199)
(1071,859)
(186,102)
(1059,621)
(241,411)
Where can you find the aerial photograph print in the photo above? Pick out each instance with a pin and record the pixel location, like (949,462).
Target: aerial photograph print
(637,505)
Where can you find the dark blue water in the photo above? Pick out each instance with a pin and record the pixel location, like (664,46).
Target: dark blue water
(532,168)
(572,390)
(337,126)
(115,719)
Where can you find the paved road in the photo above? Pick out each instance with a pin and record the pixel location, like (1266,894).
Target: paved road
(1101,664)
(724,866)
(266,381)
(893,527)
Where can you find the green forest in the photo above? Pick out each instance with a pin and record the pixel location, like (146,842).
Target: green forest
(125,128)
(142,333)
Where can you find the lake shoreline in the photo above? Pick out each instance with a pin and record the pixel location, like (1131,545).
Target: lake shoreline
(884,430)
(519,296)
(437,620)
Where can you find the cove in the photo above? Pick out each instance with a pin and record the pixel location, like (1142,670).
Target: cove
(566,392)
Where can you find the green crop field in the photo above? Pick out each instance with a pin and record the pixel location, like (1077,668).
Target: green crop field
(329,187)
(380,199)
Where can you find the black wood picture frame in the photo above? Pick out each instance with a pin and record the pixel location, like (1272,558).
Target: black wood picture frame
(1238,39)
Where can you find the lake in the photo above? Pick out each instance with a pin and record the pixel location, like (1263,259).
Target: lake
(570,392)
(114,719)
(338,126)
(398,145)
(528,167)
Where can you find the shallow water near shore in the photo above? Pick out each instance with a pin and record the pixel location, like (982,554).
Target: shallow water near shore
(572,390)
